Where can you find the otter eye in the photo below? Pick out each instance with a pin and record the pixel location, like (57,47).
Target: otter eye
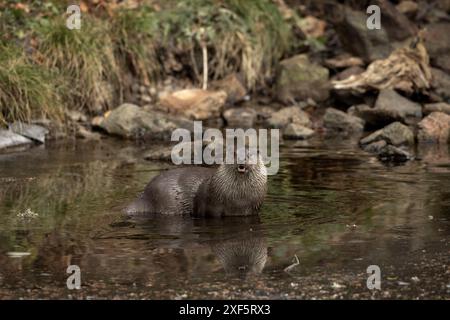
(241,168)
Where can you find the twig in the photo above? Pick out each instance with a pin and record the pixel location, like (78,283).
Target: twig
(292,266)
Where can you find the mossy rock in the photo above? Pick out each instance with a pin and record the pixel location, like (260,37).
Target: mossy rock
(299,79)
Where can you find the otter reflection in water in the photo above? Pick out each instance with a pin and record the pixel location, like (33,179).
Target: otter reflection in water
(237,243)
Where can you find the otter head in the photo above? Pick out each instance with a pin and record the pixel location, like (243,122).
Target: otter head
(246,162)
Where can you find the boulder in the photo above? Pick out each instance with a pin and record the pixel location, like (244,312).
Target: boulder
(10,139)
(297,131)
(437,40)
(130,121)
(442,62)
(240,117)
(389,107)
(299,79)
(390,153)
(438,106)
(336,121)
(195,104)
(234,87)
(31,131)
(287,115)
(375,147)
(373,44)
(434,128)
(396,134)
(440,83)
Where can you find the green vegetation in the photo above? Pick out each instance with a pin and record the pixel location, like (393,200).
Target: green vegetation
(91,68)
(84,57)
(26,89)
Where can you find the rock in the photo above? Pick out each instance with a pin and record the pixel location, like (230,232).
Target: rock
(394,154)
(129,121)
(441,83)
(337,121)
(312,27)
(297,131)
(344,74)
(438,106)
(373,44)
(84,133)
(389,107)
(240,117)
(386,143)
(358,109)
(434,128)
(264,113)
(344,61)
(375,147)
(10,139)
(396,134)
(437,40)
(195,104)
(145,98)
(408,8)
(76,116)
(164,152)
(442,62)
(97,121)
(299,79)
(31,131)
(287,115)
(233,86)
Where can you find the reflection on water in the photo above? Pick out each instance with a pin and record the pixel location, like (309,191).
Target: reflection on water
(334,207)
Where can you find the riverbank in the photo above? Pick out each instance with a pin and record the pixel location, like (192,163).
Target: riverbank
(135,70)
(330,206)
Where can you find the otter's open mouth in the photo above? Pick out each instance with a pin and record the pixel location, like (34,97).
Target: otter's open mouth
(241,168)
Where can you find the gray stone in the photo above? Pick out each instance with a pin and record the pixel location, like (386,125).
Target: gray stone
(296,131)
(437,39)
(396,134)
(337,121)
(234,86)
(76,116)
(389,107)
(299,79)
(31,131)
(391,153)
(436,107)
(287,115)
(373,44)
(130,121)
(375,147)
(10,139)
(440,83)
(240,117)
(434,128)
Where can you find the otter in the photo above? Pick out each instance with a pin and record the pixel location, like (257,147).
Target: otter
(230,190)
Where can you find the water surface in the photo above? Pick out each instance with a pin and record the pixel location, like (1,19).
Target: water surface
(334,207)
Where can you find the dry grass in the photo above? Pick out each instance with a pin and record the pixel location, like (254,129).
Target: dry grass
(26,90)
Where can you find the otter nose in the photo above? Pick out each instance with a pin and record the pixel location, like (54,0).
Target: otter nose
(241,168)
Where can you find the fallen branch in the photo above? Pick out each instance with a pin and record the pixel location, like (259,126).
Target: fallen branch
(292,266)
(406,69)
